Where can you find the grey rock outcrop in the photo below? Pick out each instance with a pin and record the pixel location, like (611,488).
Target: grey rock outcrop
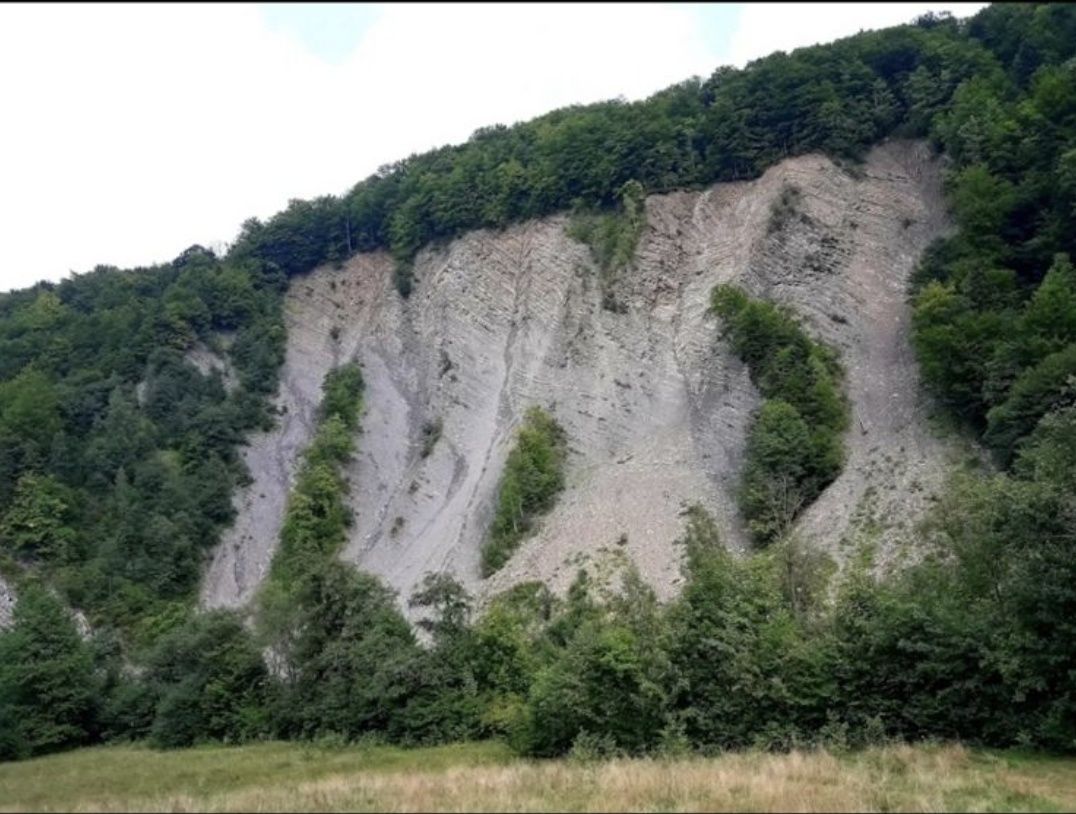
(655,407)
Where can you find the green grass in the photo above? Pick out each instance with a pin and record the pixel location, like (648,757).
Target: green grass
(71,779)
(487,777)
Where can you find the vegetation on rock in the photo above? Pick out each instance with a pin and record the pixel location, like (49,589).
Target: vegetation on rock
(118,457)
(794,447)
(533,475)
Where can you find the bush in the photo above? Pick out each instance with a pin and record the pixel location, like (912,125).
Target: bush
(316,519)
(342,394)
(48,690)
(533,475)
(612,238)
(794,447)
(210,681)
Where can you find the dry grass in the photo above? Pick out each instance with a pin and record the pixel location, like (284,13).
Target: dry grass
(482,777)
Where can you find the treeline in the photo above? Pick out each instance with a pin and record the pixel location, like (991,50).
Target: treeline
(839,99)
(974,643)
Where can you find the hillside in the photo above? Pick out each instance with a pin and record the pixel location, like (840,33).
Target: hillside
(655,408)
(741,416)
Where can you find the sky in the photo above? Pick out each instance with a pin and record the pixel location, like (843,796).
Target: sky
(130,132)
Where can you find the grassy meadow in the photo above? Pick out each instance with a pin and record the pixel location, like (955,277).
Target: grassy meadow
(486,777)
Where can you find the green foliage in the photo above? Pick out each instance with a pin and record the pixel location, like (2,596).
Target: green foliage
(301,237)
(1038,389)
(315,524)
(612,238)
(1048,453)
(974,643)
(447,691)
(117,456)
(316,519)
(1012,582)
(342,394)
(210,683)
(794,446)
(346,655)
(533,475)
(47,683)
(36,524)
(449,604)
(995,313)
(746,670)
(608,681)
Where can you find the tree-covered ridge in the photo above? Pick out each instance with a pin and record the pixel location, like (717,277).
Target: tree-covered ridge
(838,98)
(995,318)
(117,456)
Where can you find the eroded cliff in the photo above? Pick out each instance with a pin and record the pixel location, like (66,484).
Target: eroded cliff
(655,407)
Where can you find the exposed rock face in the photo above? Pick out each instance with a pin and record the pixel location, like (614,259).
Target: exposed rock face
(7,605)
(242,559)
(655,407)
(207,360)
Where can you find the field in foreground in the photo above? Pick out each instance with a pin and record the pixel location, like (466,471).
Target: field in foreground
(486,777)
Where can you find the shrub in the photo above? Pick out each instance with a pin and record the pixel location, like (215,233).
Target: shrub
(211,683)
(794,446)
(612,238)
(341,394)
(533,475)
(317,518)
(431,434)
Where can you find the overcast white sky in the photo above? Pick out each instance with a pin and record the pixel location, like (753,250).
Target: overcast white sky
(130,132)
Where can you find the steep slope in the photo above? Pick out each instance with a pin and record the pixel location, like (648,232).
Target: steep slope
(242,559)
(655,407)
